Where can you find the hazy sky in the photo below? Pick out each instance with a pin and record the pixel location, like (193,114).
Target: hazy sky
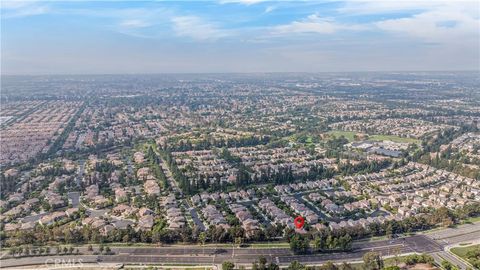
(53,37)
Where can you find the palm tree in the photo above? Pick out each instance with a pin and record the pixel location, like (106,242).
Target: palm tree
(317,243)
(202,237)
(239,241)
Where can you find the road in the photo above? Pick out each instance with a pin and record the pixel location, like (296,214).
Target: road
(460,234)
(173,183)
(216,255)
(466,233)
(74,198)
(81,171)
(212,255)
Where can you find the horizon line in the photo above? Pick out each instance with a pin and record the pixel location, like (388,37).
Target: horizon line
(246,73)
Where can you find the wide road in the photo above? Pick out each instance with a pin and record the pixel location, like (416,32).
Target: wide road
(433,243)
(211,255)
(461,234)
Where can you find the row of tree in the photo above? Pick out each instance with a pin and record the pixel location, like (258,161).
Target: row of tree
(209,143)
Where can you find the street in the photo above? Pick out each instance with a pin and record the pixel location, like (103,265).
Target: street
(433,243)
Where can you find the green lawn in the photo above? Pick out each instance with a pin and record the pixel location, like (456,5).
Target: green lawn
(347,134)
(472,220)
(462,251)
(393,139)
(387,262)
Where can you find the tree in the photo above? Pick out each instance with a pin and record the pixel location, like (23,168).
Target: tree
(318,243)
(396,252)
(227,265)
(262,263)
(238,241)
(392,267)
(299,244)
(202,237)
(273,266)
(329,266)
(295,265)
(448,265)
(372,261)
(346,266)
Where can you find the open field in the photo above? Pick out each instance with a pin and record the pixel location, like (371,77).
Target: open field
(462,251)
(393,139)
(349,135)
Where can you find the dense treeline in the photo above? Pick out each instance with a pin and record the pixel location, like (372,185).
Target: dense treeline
(154,163)
(473,257)
(363,167)
(326,240)
(57,145)
(186,145)
(182,180)
(448,160)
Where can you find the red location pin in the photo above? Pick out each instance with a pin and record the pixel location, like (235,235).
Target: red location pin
(299,221)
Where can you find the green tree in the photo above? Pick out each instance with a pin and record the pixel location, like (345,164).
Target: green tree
(318,243)
(392,267)
(328,266)
(299,244)
(238,241)
(273,266)
(372,261)
(346,266)
(448,265)
(228,265)
(295,265)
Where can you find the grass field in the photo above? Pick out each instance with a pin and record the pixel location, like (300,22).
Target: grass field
(387,262)
(472,220)
(393,139)
(462,251)
(349,135)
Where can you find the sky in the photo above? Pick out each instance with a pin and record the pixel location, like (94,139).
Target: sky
(125,37)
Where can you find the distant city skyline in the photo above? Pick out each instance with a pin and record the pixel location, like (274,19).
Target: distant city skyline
(124,37)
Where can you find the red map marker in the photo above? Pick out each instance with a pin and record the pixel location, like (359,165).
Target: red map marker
(299,221)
